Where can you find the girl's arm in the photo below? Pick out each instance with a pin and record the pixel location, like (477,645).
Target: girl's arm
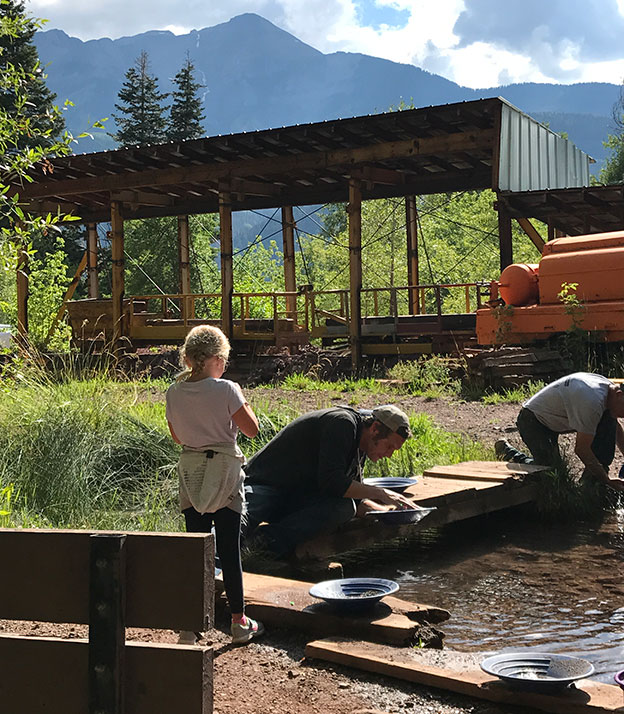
(173,434)
(246,420)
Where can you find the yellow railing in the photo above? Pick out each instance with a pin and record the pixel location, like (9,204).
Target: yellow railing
(287,310)
(394,301)
(306,311)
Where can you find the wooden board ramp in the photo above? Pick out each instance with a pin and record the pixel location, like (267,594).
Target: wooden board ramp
(458,492)
(483,470)
(281,602)
(586,697)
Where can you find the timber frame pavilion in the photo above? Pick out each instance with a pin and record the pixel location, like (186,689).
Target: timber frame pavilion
(465,146)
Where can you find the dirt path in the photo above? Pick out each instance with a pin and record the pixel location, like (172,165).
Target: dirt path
(478,421)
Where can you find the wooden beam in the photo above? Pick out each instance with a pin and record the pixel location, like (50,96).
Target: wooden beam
(376,174)
(287,603)
(532,232)
(170,578)
(290,279)
(227,275)
(22,274)
(92,269)
(184,267)
(118,281)
(411,224)
(504,237)
(585,697)
(354,209)
(71,289)
(107,623)
(145,198)
(461,141)
(46,674)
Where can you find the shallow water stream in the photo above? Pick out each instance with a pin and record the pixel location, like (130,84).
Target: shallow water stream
(512,582)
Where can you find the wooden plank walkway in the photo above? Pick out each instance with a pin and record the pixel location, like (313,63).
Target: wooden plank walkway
(458,492)
(587,697)
(280,602)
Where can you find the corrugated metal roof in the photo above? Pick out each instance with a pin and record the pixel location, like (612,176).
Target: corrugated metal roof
(533,158)
(486,143)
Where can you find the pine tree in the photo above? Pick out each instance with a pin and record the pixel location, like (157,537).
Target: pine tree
(613,170)
(186,117)
(19,58)
(141,119)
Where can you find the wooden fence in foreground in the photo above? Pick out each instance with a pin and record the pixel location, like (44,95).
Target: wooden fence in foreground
(109,581)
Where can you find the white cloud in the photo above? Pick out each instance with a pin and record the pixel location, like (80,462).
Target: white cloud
(427,39)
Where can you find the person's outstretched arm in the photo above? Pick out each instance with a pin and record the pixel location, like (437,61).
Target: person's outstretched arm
(583,450)
(246,421)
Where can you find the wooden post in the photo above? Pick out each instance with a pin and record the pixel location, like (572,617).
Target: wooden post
(118,283)
(354,209)
(227,275)
(107,623)
(184,263)
(22,295)
(411,223)
(92,270)
(504,237)
(288,239)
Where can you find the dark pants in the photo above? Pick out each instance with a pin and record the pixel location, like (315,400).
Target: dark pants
(543,442)
(227,525)
(292,518)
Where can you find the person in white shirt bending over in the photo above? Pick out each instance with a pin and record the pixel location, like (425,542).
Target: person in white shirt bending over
(205,413)
(582,403)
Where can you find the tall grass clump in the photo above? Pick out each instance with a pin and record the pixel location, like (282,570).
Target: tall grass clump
(562,497)
(429,446)
(426,376)
(76,452)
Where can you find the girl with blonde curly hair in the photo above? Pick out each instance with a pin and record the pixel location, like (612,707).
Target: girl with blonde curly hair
(205,413)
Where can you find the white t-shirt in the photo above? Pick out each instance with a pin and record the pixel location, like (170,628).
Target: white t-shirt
(201,412)
(573,403)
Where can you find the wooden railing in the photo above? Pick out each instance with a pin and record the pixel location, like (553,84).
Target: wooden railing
(248,309)
(306,311)
(393,301)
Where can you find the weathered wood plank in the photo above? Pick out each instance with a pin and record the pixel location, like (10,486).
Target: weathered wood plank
(588,697)
(483,470)
(287,603)
(46,674)
(170,578)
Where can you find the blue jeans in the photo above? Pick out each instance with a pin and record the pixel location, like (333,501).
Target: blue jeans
(543,442)
(291,518)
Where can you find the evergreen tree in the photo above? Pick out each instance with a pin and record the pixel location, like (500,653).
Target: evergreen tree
(141,119)
(19,58)
(613,170)
(186,117)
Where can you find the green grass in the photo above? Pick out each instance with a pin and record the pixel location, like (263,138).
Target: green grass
(96,453)
(517,394)
(431,445)
(307,383)
(427,376)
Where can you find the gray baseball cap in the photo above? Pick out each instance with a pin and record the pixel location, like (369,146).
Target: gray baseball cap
(395,419)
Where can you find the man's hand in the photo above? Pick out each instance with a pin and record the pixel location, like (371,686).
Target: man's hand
(392,498)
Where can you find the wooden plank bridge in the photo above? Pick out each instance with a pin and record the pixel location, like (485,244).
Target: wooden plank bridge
(458,492)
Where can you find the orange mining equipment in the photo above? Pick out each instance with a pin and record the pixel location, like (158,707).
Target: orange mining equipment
(579,283)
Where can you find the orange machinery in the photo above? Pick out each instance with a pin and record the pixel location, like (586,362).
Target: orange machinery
(527,304)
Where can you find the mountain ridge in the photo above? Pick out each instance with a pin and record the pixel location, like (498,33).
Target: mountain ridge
(258,76)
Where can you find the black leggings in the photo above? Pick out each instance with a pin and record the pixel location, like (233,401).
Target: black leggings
(227,529)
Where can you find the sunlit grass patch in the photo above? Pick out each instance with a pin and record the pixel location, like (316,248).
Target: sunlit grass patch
(515,394)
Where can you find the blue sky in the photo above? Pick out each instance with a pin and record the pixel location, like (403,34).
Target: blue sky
(476,43)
